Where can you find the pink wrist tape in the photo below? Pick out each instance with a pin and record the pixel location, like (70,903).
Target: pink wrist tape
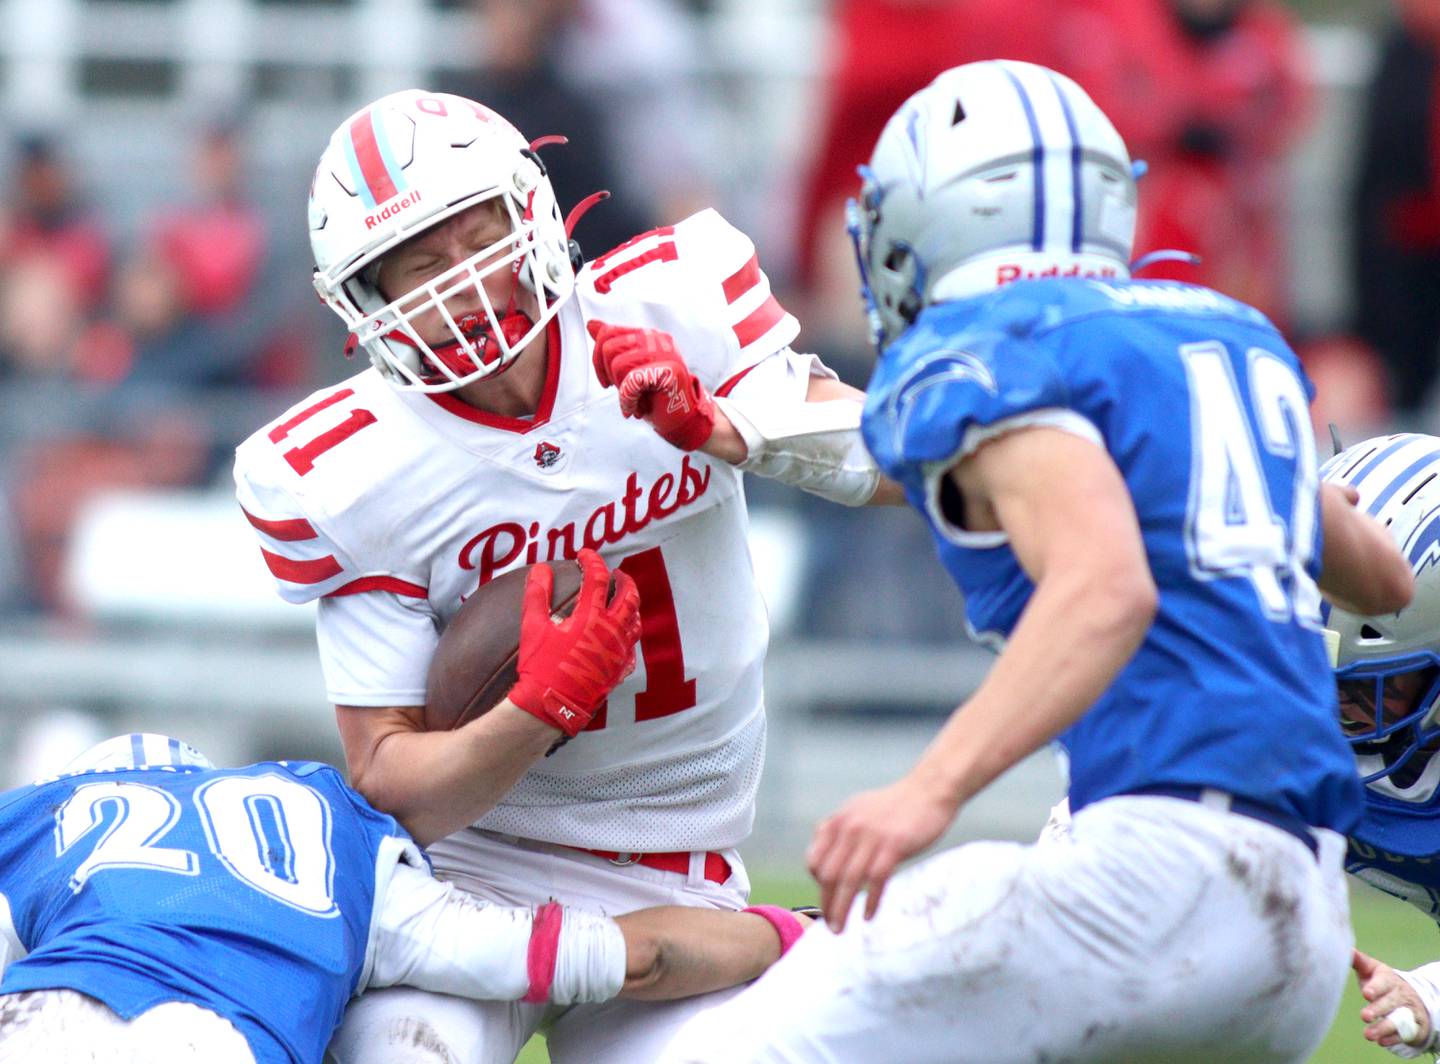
(785,923)
(544,948)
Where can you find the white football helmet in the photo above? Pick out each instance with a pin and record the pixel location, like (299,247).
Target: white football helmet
(394,169)
(138,750)
(1388,667)
(994,172)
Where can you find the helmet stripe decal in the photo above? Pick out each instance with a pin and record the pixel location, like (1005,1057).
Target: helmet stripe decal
(1370,466)
(368,163)
(1076,223)
(1419,549)
(137,750)
(1428,460)
(1037,160)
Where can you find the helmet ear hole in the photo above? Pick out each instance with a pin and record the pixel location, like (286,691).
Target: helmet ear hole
(1368,632)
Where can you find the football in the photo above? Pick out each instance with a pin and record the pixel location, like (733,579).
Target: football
(474,665)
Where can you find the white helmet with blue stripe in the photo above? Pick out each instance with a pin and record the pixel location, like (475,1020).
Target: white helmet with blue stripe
(1388,667)
(138,750)
(995,172)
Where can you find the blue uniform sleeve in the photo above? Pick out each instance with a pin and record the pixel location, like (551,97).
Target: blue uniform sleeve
(934,402)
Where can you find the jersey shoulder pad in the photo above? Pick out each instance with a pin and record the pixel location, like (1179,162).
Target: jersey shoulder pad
(934,393)
(307,485)
(699,280)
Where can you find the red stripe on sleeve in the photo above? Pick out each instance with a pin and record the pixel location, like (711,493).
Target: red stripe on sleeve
(380,583)
(543,950)
(309,572)
(367,153)
(659,253)
(743,279)
(761,321)
(291,531)
(729,386)
(280,431)
(600,260)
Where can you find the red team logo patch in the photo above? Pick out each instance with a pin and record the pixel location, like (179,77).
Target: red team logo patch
(546,454)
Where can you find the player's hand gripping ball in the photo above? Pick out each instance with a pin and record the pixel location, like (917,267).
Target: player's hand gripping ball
(478,660)
(568,666)
(654,383)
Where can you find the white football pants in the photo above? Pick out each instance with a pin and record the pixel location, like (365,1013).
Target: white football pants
(1160,931)
(403,1026)
(66,1027)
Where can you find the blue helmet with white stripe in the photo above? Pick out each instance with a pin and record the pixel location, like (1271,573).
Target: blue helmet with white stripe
(138,750)
(994,172)
(1387,668)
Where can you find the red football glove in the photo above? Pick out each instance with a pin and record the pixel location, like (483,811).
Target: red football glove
(654,383)
(568,667)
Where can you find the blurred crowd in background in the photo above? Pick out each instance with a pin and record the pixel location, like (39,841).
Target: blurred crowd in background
(138,356)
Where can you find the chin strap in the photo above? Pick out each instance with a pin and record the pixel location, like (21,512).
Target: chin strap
(514,324)
(1163,255)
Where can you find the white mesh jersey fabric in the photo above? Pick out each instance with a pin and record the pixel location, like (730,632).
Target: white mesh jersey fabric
(695,799)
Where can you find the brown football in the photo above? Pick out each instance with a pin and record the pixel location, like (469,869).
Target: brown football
(474,665)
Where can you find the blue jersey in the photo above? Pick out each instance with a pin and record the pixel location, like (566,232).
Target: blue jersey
(248,892)
(1204,409)
(1398,851)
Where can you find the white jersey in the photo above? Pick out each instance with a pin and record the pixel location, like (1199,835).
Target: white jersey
(391,507)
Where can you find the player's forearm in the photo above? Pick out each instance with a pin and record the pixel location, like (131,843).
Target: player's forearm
(675,952)
(725,442)
(434,936)
(436,783)
(1078,631)
(1361,569)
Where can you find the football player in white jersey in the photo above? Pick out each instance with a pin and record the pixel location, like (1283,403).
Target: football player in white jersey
(521,407)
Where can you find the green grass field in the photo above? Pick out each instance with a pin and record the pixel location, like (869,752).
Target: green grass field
(1384,927)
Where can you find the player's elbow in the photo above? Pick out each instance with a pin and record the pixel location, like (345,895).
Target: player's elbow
(644,963)
(1370,579)
(1121,602)
(1394,584)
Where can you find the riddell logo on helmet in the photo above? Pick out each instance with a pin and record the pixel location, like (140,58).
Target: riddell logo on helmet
(392,209)
(1010,271)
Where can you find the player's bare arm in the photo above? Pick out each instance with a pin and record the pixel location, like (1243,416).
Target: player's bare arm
(1073,528)
(437,782)
(676,951)
(465,771)
(813,444)
(1361,569)
(434,936)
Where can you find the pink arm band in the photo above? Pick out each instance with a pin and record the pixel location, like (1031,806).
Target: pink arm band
(544,947)
(785,923)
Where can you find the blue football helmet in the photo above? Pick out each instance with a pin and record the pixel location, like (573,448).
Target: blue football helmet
(1387,668)
(995,172)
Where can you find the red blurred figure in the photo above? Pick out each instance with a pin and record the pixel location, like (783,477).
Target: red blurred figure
(1212,94)
(217,243)
(1396,249)
(884,51)
(45,223)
